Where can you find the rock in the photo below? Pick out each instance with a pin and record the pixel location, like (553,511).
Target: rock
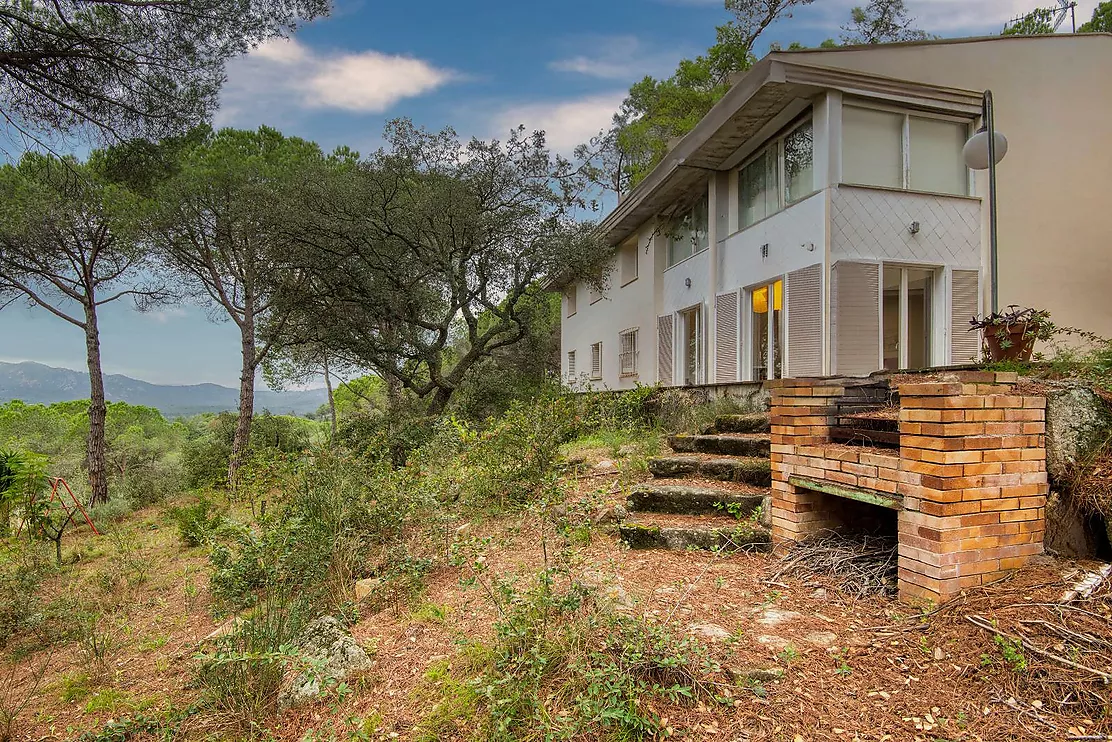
(710,631)
(604,465)
(609,514)
(824,639)
(366,588)
(627,450)
(765,517)
(819,593)
(1075,416)
(326,641)
(775,643)
(775,617)
(755,674)
(938,654)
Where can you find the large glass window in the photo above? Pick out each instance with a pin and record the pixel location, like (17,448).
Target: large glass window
(690,234)
(897,150)
(799,163)
(936,159)
(758,187)
(872,147)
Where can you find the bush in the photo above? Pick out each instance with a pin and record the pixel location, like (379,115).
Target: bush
(23,568)
(197,524)
(565,666)
(242,677)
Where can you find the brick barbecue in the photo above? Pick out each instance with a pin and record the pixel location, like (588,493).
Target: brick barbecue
(968,482)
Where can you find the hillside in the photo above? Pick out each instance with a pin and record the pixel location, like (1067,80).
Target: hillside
(36,383)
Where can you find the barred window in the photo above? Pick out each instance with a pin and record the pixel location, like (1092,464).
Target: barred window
(571,364)
(627,358)
(596,361)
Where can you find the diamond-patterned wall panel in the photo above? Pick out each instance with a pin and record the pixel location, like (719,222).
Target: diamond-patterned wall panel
(873,224)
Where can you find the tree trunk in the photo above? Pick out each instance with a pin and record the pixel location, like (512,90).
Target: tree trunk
(98,411)
(331,399)
(242,438)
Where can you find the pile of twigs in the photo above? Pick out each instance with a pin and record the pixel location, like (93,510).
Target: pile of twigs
(861,565)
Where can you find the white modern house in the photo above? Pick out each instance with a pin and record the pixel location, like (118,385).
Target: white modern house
(821,220)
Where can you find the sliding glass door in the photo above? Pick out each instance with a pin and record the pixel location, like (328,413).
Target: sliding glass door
(906,317)
(766,331)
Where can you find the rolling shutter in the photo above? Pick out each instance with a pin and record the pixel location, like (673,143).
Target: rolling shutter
(725,337)
(965,345)
(664,350)
(805,322)
(855,317)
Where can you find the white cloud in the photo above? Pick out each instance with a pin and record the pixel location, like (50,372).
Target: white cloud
(162,316)
(566,123)
(624,58)
(282,76)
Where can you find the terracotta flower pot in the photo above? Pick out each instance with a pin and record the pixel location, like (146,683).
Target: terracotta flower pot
(1019,347)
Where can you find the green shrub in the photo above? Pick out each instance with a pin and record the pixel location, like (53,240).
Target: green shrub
(241,677)
(198,523)
(22,568)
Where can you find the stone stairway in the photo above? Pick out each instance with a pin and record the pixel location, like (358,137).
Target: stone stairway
(707,493)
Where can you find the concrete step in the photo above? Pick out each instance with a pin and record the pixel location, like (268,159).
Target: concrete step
(754,471)
(756,422)
(682,532)
(691,499)
(721,444)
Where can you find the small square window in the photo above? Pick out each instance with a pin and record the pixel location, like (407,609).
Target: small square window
(596,361)
(627,358)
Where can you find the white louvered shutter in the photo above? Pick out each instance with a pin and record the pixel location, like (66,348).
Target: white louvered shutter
(855,317)
(804,289)
(725,337)
(664,350)
(965,303)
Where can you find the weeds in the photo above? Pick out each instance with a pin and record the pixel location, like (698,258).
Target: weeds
(1012,651)
(96,643)
(199,523)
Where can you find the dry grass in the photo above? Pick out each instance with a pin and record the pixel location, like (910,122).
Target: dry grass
(891,672)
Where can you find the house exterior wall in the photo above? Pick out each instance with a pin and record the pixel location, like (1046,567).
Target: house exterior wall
(1053,100)
(620,308)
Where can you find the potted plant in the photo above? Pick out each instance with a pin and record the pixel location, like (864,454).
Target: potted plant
(1011,335)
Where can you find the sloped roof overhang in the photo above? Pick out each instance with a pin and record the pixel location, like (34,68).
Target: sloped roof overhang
(768,89)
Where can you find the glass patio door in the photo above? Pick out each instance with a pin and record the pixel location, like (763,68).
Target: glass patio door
(691,327)
(906,317)
(766,331)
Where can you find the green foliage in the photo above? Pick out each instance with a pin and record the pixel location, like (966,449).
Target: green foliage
(335,509)
(1101,20)
(1012,652)
(199,523)
(1038,21)
(206,454)
(241,677)
(163,725)
(563,665)
(22,568)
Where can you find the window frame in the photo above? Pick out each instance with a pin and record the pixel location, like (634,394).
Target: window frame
(596,355)
(776,142)
(632,355)
(571,295)
(632,246)
(571,364)
(905,154)
(704,198)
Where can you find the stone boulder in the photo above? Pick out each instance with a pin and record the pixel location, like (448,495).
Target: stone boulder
(1075,419)
(326,642)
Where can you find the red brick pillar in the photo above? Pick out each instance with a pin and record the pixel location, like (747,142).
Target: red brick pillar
(803,411)
(974,503)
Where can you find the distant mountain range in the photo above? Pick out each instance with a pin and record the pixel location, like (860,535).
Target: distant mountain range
(35,383)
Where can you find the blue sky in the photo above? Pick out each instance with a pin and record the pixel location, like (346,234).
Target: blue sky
(480,67)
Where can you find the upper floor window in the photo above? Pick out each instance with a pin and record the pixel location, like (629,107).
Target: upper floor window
(780,174)
(570,297)
(899,150)
(627,257)
(690,233)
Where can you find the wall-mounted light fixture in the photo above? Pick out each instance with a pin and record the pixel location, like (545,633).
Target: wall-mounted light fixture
(687,282)
(913,228)
(808,246)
